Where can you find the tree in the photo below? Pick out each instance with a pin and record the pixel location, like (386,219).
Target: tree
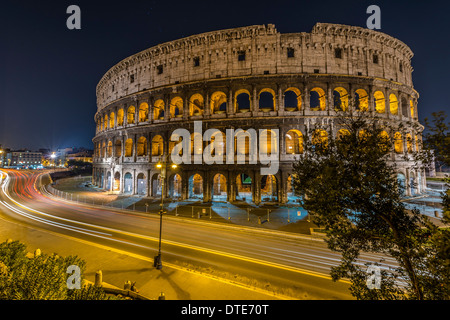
(43,277)
(437,138)
(349,185)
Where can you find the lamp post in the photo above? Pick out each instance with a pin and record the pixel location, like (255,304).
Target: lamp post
(162,165)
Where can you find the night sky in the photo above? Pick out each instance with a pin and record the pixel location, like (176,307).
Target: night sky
(48,74)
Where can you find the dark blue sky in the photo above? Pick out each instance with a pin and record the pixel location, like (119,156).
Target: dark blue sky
(48,73)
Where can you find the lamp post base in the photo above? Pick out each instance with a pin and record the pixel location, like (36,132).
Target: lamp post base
(157,262)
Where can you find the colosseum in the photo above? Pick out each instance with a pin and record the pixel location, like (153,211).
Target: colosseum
(246,78)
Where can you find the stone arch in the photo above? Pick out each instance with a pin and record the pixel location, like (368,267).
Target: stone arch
(175,186)
(105,122)
(219,187)
(195,186)
(244,187)
(404,106)
(267,100)
(320,138)
(120,117)
(393,104)
(242,101)
(361,100)
(141,184)
(218,102)
(317,99)
(398,142)
(118,148)
(269,188)
(157,145)
(109,149)
(129,147)
(143,112)
(158,109)
(128,183)
(130,114)
(196,104)
(294,141)
(268,141)
(409,143)
(380,105)
(141,146)
(116,185)
(292,99)
(112,119)
(340,99)
(156,183)
(176,107)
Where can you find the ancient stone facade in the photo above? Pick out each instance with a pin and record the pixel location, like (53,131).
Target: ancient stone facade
(250,77)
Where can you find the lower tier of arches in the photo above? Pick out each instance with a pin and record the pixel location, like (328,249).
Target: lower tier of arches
(217,183)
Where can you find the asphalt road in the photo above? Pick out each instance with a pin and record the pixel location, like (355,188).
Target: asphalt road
(290,265)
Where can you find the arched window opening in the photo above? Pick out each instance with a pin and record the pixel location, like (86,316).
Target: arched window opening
(129,148)
(292,99)
(294,142)
(361,100)
(317,99)
(242,101)
(398,142)
(130,115)
(196,103)
(266,100)
(379,100)
(340,96)
(141,147)
(393,104)
(157,146)
(143,112)
(218,102)
(176,107)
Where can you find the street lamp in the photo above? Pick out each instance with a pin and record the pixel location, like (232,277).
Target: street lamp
(162,165)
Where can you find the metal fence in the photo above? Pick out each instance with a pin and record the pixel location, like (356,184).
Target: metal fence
(217,211)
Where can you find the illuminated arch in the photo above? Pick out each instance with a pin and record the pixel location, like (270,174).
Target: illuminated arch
(411,106)
(112,120)
(129,147)
(219,187)
(340,96)
(143,112)
(158,109)
(118,148)
(176,107)
(294,142)
(157,146)
(105,122)
(361,100)
(385,141)
(218,102)
(409,143)
(380,105)
(317,99)
(267,100)
(120,117)
(320,138)
(292,99)
(268,140)
(141,147)
(109,149)
(398,142)
(342,132)
(196,103)
(242,101)
(393,104)
(130,114)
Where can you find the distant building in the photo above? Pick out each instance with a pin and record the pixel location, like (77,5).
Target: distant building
(84,156)
(23,159)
